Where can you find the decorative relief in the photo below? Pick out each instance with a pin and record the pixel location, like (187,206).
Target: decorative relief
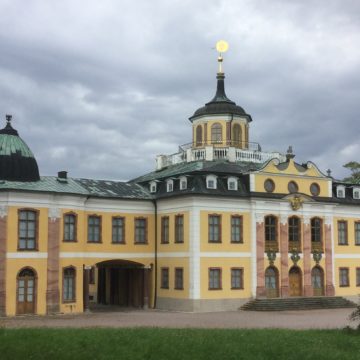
(296,202)
(306,220)
(271,256)
(259,218)
(284,219)
(317,256)
(3,211)
(295,257)
(328,220)
(54,213)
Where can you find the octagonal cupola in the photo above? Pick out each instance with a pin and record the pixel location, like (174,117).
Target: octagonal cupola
(17,162)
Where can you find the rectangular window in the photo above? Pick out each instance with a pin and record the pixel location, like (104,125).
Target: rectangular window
(357,233)
(69,284)
(270,228)
(165,230)
(164,278)
(342,232)
(179,229)
(179,278)
(214,279)
(357,276)
(237,278)
(214,228)
(27,230)
(344,277)
(141,231)
(118,230)
(294,228)
(236,229)
(94,228)
(92,275)
(70,227)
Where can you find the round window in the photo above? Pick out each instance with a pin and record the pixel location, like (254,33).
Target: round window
(293,187)
(315,189)
(269,185)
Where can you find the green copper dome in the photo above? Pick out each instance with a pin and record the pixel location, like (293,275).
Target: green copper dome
(17,162)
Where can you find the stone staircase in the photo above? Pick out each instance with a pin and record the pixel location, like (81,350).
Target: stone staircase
(298,303)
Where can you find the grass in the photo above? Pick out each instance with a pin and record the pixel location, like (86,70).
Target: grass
(156,343)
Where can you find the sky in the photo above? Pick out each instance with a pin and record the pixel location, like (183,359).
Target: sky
(99,88)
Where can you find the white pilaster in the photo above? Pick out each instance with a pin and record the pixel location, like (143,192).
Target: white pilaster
(194,254)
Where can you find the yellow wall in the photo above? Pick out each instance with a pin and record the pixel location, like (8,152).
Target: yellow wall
(173,263)
(351,248)
(225,244)
(225,264)
(172,246)
(351,264)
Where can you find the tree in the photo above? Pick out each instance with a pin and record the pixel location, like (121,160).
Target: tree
(354,167)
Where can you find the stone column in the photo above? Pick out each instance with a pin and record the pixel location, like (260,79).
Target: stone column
(329,285)
(146,291)
(86,282)
(3,238)
(284,256)
(52,290)
(308,291)
(260,248)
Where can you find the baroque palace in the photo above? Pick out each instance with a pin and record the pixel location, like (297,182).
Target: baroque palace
(216,224)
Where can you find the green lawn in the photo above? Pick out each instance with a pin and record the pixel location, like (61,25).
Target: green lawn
(155,343)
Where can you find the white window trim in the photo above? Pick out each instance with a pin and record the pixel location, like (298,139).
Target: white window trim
(211,178)
(356,190)
(338,189)
(170,185)
(181,180)
(232,179)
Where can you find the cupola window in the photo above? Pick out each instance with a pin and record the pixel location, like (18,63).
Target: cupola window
(169,185)
(340,191)
(232,183)
(216,133)
(199,136)
(183,183)
(153,186)
(236,135)
(211,182)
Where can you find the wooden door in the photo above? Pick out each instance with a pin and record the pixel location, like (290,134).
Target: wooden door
(271,283)
(295,282)
(26,292)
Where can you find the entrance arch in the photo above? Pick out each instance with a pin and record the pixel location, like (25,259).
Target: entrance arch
(26,291)
(317,281)
(123,283)
(295,281)
(272,282)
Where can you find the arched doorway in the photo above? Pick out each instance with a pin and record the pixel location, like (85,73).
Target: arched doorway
(295,281)
(317,281)
(122,283)
(272,282)
(26,291)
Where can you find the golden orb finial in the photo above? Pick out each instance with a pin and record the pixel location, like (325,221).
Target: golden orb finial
(221,46)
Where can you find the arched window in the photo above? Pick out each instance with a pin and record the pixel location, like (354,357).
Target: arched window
(270,228)
(26,291)
(317,281)
(199,135)
(216,133)
(316,227)
(294,228)
(236,136)
(69,276)
(271,282)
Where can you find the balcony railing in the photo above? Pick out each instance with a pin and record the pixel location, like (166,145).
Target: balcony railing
(271,246)
(295,246)
(247,145)
(210,152)
(317,246)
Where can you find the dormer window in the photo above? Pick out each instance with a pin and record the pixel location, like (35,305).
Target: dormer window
(183,183)
(211,182)
(153,186)
(169,185)
(232,183)
(340,191)
(356,193)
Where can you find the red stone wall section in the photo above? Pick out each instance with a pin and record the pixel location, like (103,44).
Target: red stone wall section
(329,286)
(284,258)
(308,291)
(260,248)
(52,291)
(3,234)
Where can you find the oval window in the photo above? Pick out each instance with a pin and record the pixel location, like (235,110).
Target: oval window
(293,187)
(315,189)
(269,185)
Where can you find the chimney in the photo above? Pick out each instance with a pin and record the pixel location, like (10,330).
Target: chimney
(62,174)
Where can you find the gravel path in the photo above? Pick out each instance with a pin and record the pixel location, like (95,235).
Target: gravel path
(310,319)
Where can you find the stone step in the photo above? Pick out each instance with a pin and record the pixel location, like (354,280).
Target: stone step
(298,303)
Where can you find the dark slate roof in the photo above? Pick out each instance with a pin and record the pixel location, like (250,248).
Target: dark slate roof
(17,162)
(213,167)
(348,199)
(220,104)
(86,187)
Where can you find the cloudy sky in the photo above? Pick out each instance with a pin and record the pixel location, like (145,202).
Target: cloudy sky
(99,88)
